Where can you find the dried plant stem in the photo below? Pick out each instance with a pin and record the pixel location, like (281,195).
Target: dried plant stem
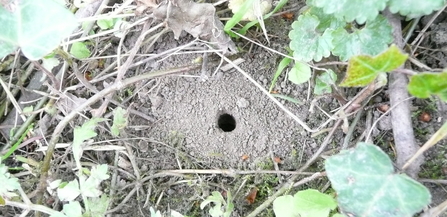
(64,122)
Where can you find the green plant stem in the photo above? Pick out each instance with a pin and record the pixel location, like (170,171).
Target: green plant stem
(27,123)
(64,122)
(16,144)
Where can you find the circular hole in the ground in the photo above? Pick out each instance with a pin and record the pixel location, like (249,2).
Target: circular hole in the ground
(226,122)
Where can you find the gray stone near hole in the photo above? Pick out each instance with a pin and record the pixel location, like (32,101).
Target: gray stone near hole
(242,103)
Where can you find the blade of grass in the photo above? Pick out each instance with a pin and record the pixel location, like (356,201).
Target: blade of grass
(288,98)
(16,145)
(237,17)
(282,65)
(247,26)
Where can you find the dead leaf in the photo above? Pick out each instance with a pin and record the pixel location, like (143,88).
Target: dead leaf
(288,16)
(142,5)
(68,102)
(197,19)
(252,195)
(277,160)
(245,157)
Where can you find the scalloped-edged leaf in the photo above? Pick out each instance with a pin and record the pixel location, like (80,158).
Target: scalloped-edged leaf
(371,40)
(358,10)
(425,84)
(37,27)
(415,8)
(307,42)
(367,185)
(363,69)
(326,20)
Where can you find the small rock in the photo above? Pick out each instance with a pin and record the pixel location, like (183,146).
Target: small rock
(385,123)
(156,101)
(242,103)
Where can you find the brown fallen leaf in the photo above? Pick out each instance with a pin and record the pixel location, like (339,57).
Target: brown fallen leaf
(288,16)
(245,157)
(277,160)
(197,19)
(252,195)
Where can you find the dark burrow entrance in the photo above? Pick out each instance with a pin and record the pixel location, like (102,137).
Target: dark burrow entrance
(226,122)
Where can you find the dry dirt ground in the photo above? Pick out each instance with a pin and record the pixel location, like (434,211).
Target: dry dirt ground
(226,122)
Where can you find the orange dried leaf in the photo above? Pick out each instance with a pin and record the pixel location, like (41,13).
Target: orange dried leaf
(252,195)
(277,160)
(288,16)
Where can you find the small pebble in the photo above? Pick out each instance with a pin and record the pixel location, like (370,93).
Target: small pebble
(242,103)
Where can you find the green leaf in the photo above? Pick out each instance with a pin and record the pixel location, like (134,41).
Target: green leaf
(50,62)
(425,84)
(69,191)
(86,131)
(238,16)
(300,73)
(327,21)
(254,10)
(72,209)
(99,172)
(106,23)
(367,186)
(362,70)
(155,214)
(312,203)
(307,42)
(247,26)
(282,65)
(37,27)
(218,200)
(119,121)
(285,206)
(307,203)
(8,183)
(97,206)
(358,10)
(415,8)
(215,197)
(371,40)
(28,109)
(79,50)
(89,187)
(324,82)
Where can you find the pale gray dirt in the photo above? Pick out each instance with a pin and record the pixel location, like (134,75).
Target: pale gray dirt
(191,107)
